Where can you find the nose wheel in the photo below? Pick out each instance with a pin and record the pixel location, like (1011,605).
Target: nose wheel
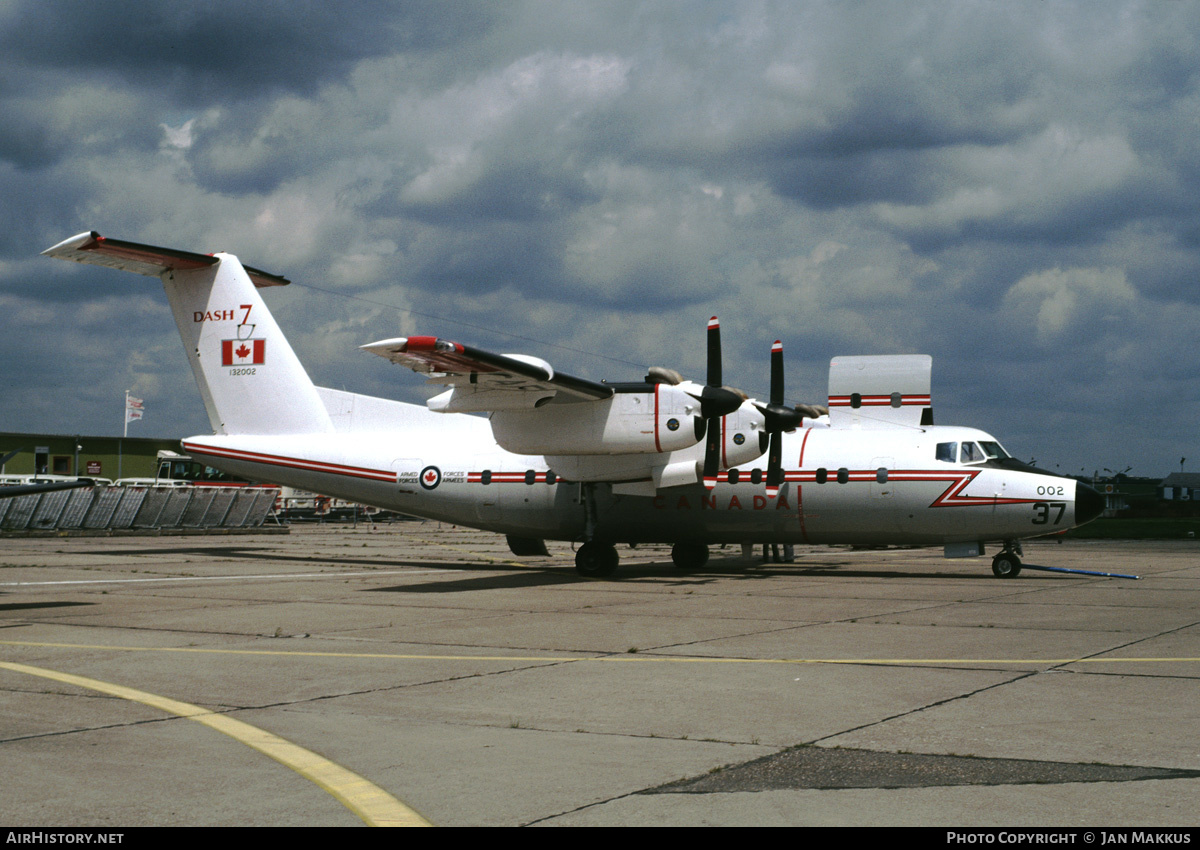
(1006,565)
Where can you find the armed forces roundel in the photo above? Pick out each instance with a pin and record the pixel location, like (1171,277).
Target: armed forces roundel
(431,477)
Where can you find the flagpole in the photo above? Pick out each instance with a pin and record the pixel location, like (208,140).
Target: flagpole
(120,443)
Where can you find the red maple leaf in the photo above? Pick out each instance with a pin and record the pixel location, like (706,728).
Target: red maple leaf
(242,352)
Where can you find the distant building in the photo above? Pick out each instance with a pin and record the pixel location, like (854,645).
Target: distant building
(95,457)
(1180,487)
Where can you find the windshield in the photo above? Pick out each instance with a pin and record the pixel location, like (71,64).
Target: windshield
(982,452)
(993,449)
(971,452)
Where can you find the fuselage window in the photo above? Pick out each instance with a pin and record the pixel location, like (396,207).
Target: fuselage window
(947,452)
(856,400)
(881,475)
(822,475)
(733,476)
(897,399)
(530,476)
(485,477)
(550,476)
(756,476)
(843,475)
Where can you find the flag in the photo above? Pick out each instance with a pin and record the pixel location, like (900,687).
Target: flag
(133,409)
(237,352)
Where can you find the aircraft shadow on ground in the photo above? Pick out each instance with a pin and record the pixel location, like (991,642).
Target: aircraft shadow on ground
(534,574)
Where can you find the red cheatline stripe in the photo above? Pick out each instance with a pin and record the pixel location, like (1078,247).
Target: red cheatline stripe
(507,478)
(949,498)
(293,462)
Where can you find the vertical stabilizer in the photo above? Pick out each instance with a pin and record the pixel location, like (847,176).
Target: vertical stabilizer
(251,380)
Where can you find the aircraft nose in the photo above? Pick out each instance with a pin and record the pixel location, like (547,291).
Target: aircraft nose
(1089,504)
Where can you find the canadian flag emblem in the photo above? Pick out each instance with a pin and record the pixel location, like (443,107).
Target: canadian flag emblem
(243,352)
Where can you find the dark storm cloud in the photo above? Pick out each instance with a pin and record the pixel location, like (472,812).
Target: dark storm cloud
(209,51)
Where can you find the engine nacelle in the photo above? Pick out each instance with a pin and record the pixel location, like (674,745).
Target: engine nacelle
(656,421)
(740,437)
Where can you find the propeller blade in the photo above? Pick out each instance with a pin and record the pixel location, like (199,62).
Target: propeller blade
(712,453)
(775,465)
(777,374)
(715,401)
(777,419)
(714,353)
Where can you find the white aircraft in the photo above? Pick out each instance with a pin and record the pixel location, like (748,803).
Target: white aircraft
(661,460)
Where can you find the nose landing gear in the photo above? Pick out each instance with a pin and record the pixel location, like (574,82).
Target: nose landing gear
(1007,564)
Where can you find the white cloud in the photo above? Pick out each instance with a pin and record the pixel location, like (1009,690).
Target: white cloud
(1060,300)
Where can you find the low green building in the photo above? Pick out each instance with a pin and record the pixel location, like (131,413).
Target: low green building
(82,455)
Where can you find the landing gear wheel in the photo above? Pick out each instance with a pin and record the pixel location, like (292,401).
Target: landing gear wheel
(1006,565)
(689,556)
(596,560)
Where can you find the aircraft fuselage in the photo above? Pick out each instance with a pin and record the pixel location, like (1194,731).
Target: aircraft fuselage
(838,487)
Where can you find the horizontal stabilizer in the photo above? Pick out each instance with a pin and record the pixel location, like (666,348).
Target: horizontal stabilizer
(97,250)
(889,391)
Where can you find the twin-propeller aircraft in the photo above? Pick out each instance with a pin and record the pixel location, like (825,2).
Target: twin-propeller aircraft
(661,460)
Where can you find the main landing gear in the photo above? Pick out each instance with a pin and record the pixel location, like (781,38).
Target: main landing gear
(599,560)
(1007,564)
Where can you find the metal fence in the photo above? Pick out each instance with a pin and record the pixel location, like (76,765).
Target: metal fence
(139,508)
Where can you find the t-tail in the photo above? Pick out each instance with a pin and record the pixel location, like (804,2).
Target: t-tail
(250,379)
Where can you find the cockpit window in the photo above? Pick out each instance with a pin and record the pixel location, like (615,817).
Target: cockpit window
(947,452)
(971,453)
(993,449)
(982,451)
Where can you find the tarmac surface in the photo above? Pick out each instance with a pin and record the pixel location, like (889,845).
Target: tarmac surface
(421,673)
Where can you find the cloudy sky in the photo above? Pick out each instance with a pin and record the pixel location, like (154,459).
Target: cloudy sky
(1011,187)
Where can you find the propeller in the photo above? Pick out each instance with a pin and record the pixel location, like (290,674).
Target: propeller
(715,401)
(778,418)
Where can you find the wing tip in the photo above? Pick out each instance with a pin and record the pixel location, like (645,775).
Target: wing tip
(78,242)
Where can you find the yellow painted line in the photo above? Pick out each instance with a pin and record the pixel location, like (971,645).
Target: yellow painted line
(622,657)
(364,798)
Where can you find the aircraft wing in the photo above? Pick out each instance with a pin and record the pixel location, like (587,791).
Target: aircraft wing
(97,250)
(483,381)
